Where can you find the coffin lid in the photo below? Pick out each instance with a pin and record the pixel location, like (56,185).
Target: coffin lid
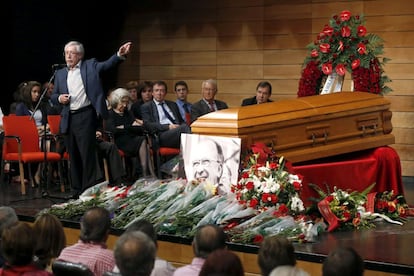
(241,120)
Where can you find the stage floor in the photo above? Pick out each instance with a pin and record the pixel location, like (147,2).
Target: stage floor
(386,248)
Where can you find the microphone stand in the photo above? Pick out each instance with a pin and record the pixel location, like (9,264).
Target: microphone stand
(44,180)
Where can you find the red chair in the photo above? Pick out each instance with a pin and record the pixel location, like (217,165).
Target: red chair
(54,123)
(160,154)
(21,145)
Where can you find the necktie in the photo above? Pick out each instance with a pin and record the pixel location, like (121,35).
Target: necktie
(185,106)
(167,114)
(212,109)
(187,114)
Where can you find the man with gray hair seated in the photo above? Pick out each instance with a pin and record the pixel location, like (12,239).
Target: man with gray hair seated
(8,218)
(135,254)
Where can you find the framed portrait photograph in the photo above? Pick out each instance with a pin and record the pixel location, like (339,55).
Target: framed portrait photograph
(215,159)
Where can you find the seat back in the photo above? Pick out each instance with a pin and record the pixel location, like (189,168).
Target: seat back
(54,122)
(23,127)
(63,268)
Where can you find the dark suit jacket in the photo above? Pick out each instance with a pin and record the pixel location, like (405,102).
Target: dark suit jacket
(151,119)
(200,108)
(90,72)
(22,110)
(251,101)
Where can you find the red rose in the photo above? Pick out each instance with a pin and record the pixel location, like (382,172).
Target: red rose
(282,210)
(325,48)
(361,31)
(297,185)
(347,215)
(327,68)
(345,15)
(258,239)
(345,31)
(245,175)
(273,166)
(253,202)
(250,185)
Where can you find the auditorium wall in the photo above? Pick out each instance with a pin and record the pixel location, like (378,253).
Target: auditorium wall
(240,43)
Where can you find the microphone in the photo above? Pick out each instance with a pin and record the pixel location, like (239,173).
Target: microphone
(58,66)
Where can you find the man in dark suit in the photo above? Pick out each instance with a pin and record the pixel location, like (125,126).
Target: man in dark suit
(263,93)
(163,117)
(78,88)
(208,103)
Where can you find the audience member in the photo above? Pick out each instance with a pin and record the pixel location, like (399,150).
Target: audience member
(163,118)
(50,239)
(128,132)
(135,254)
(30,100)
(288,270)
(145,95)
(91,249)
(343,261)
(181,90)
(132,87)
(30,107)
(222,262)
(17,97)
(8,218)
(82,99)
(263,93)
(208,103)
(161,266)
(275,251)
(17,247)
(208,238)
(52,109)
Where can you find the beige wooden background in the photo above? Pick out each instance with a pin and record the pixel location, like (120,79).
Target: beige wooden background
(242,42)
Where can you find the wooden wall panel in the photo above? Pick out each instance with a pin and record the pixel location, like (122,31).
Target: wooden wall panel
(240,43)
(239,57)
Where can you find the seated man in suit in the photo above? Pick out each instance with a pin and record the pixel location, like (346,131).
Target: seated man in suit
(263,93)
(208,103)
(163,117)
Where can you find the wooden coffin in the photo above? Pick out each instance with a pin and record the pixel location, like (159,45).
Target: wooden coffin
(307,128)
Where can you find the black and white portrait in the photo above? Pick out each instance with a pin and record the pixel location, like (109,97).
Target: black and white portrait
(215,159)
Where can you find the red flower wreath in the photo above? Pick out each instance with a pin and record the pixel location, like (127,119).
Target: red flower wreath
(344,45)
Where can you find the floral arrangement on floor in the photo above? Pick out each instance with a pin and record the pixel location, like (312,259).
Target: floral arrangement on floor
(266,201)
(344,210)
(266,182)
(344,45)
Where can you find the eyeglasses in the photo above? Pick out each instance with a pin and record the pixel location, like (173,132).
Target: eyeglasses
(204,162)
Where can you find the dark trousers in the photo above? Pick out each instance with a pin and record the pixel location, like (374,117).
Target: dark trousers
(81,143)
(109,151)
(172,137)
